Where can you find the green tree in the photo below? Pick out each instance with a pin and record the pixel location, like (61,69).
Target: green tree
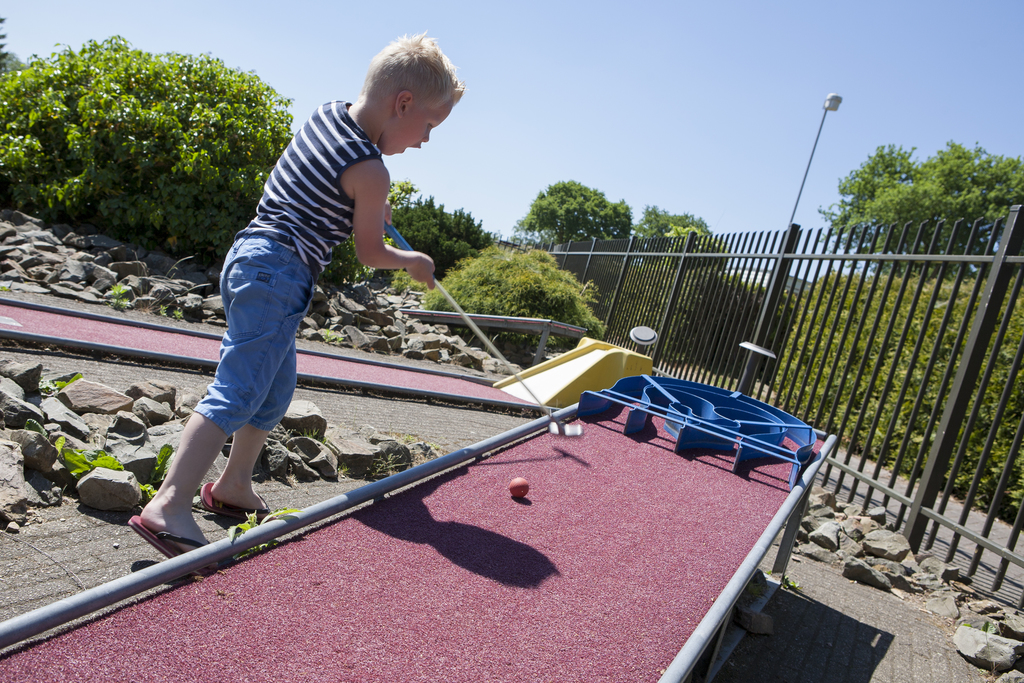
(891,187)
(167,151)
(660,223)
(427,227)
(569,210)
(8,61)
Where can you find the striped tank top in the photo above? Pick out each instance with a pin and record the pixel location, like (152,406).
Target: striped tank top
(302,198)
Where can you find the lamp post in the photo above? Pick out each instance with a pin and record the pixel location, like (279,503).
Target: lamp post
(831,104)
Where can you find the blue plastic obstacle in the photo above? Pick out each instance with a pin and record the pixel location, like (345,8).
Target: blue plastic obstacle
(701,416)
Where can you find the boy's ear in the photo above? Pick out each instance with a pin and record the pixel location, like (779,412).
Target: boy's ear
(403,101)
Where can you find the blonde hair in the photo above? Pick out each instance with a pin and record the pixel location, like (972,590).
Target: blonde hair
(416,64)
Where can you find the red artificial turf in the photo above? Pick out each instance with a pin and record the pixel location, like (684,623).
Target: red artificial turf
(600,574)
(141,339)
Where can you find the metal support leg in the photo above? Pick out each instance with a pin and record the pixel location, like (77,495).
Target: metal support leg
(789,535)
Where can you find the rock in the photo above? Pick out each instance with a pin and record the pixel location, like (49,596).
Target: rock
(821,497)
(355,337)
(11,388)
(275,459)
(326,464)
(161,392)
(1011,677)
(1012,626)
(886,566)
(17,412)
(126,268)
(39,455)
(826,535)
(306,447)
(13,501)
(25,375)
(300,468)
(12,528)
(944,606)
(878,515)
(42,492)
(888,545)
(355,457)
(393,455)
(89,397)
(945,572)
(851,547)
(421,452)
(754,622)
(855,527)
(859,571)
(816,552)
(986,650)
(303,417)
(213,306)
(106,489)
(978,621)
(983,607)
(152,412)
(927,581)
(69,421)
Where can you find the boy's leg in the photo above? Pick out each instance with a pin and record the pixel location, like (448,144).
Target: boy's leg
(234,486)
(171,508)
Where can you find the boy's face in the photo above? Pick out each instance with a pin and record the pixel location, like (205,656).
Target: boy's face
(411,124)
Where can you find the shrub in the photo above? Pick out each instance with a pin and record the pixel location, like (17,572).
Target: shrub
(445,237)
(526,285)
(167,151)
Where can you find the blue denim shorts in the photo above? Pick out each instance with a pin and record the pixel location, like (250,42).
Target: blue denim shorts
(266,289)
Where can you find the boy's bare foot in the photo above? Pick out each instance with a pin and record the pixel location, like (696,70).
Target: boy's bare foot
(157,517)
(238,496)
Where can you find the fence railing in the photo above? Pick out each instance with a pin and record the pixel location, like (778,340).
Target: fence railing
(905,341)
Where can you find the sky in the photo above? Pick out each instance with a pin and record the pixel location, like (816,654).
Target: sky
(708,108)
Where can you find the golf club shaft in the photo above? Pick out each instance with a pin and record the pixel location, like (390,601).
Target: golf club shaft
(397,237)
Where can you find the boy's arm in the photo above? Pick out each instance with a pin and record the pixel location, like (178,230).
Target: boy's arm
(368,183)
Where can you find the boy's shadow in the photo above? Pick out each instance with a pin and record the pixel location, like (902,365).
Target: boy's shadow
(489,554)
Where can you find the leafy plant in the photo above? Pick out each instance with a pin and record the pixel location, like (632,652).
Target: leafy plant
(252,522)
(163,461)
(34,426)
(166,151)
(332,337)
(119,297)
(80,461)
(50,387)
(526,285)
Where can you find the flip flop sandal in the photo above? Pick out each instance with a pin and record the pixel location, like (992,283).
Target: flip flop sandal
(162,540)
(211,504)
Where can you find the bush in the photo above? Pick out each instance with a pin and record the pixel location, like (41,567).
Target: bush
(167,151)
(445,237)
(526,285)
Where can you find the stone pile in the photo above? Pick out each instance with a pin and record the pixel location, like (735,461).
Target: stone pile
(80,264)
(870,552)
(133,425)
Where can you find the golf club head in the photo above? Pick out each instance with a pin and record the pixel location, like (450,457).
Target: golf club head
(562,429)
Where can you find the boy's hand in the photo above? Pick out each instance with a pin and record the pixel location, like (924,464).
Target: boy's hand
(422,268)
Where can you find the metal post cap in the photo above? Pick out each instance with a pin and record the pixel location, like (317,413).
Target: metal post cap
(643,335)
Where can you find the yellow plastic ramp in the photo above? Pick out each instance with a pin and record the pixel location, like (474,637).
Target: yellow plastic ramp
(593,365)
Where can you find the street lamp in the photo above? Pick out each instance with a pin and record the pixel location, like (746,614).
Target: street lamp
(831,104)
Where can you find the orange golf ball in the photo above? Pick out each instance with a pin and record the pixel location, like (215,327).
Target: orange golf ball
(518,487)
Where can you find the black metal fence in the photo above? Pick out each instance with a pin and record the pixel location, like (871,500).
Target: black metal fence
(905,341)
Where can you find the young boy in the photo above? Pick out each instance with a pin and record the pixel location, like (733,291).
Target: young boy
(330,184)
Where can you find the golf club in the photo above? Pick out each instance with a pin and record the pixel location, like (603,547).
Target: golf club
(555,426)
